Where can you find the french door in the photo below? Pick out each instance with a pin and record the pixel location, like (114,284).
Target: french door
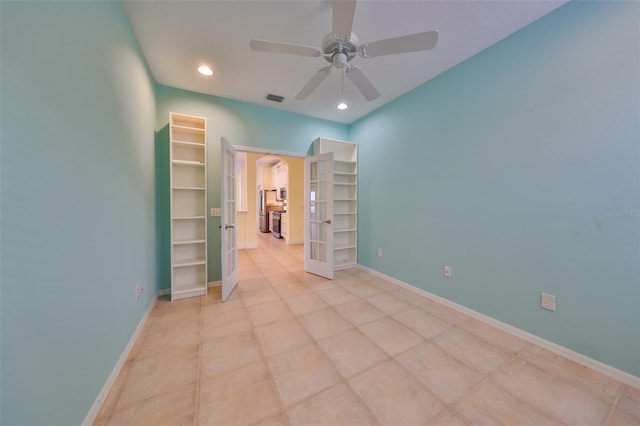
(318,215)
(228,220)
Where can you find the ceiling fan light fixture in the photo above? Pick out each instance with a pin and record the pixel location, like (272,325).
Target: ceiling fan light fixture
(205,70)
(342,105)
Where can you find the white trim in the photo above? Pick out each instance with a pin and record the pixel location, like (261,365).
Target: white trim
(268,151)
(296,241)
(247,246)
(166,291)
(104,392)
(600,367)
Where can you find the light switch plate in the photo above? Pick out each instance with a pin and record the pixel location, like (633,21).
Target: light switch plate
(216,212)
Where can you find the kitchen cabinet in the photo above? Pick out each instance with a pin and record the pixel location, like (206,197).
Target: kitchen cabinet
(279,176)
(188,205)
(345,200)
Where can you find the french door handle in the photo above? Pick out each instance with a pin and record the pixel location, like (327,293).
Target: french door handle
(328,221)
(228,226)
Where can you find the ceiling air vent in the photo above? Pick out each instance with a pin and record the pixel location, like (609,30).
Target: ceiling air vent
(275,98)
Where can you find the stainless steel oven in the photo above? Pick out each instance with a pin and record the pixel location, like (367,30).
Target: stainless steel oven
(275,218)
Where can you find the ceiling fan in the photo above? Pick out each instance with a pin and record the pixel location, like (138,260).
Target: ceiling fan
(340,46)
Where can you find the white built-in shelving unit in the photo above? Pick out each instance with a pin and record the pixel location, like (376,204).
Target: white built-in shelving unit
(188,169)
(345,199)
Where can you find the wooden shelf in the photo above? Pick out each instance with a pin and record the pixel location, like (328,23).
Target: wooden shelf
(185,129)
(180,242)
(187,163)
(188,144)
(188,202)
(190,263)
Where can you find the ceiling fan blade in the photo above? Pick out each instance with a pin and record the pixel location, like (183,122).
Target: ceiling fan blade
(361,81)
(343,13)
(409,43)
(313,84)
(290,49)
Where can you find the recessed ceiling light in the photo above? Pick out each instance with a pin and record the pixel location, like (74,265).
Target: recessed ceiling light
(342,105)
(205,70)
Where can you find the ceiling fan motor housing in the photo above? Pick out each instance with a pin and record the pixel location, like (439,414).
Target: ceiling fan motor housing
(336,53)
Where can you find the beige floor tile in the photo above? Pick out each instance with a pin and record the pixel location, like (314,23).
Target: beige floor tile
(444,312)
(167,335)
(282,278)
(566,402)
(114,394)
(256,283)
(301,373)
(494,336)
(263,295)
(324,323)
(214,295)
(388,303)
(215,311)
(318,286)
(359,312)
(449,418)
(630,401)
(292,289)
(226,322)
(246,274)
(346,409)
(305,303)
(336,295)
(622,418)
(171,409)
(599,384)
(352,352)
(276,420)
(394,396)
(239,397)
(442,374)
(392,336)
(473,352)
(165,307)
(228,353)
(490,405)
(157,375)
(282,336)
(269,312)
(362,289)
(423,323)
(382,284)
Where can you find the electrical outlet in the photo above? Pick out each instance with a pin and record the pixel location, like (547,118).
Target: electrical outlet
(379,252)
(139,290)
(448,270)
(548,302)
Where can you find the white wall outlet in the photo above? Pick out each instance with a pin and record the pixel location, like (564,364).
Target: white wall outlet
(379,252)
(216,212)
(548,302)
(139,290)
(448,270)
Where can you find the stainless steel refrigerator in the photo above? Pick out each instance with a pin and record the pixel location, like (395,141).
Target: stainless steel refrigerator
(267,198)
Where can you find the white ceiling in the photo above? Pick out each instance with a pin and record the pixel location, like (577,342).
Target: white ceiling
(177,35)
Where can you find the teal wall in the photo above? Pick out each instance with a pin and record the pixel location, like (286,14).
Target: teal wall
(241,124)
(520,168)
(78,203)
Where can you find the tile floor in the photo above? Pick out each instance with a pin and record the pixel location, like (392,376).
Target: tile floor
(291,348)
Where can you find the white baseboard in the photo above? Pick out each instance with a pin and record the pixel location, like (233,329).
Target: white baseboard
(600,367)
(104,392)
(241,246)
(296,241)
(166,291)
